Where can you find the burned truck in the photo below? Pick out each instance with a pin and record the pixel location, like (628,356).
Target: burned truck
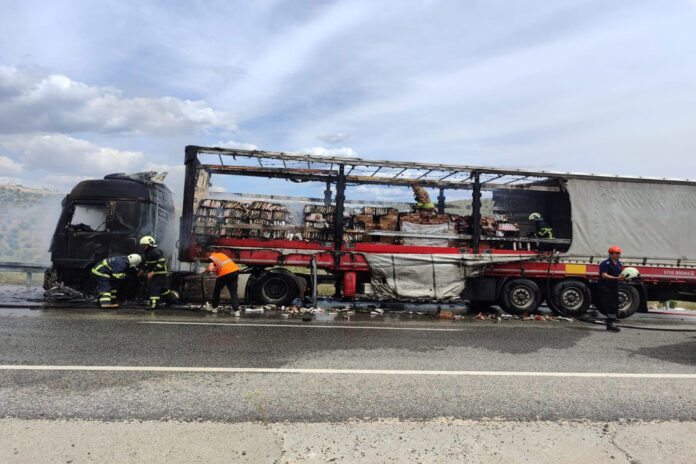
(106,217)
(353,227)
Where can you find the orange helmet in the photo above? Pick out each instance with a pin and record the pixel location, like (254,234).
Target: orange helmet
(614,249)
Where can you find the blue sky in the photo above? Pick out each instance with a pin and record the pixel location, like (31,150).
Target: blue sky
(93,87)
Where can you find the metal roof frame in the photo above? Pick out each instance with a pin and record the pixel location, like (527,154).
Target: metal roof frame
(447,176)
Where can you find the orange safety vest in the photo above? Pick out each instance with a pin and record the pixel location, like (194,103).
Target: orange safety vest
(223,264)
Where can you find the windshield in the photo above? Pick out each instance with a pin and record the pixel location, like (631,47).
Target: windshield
(89,217)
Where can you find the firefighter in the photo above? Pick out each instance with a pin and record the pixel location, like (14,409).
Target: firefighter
(422,198)
(608,286)
(110,271)
(227,276)
(543,230)
(155,270)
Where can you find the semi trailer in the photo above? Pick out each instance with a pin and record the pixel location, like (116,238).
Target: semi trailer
(302,220)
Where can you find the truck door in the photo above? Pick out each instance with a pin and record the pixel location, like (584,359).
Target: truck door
(123,222)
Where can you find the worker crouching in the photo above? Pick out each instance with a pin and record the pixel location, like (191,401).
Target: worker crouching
(108,272)
(227,276)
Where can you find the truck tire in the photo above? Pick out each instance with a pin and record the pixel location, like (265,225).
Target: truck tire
(571,298)
(520,296)
(277,288)
(629,301)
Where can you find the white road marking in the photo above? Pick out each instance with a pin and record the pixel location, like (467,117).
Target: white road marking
(268,370)
(303,326)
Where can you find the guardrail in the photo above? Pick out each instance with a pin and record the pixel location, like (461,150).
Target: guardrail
(29,268)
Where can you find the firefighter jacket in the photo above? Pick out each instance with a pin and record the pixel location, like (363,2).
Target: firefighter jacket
(543,230)
(223,264)
(422,198)
(154,261)
(112,268)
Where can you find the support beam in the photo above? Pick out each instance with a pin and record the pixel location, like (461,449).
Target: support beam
(476,213)
(441,202)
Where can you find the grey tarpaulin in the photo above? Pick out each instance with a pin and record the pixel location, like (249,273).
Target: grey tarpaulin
(438,276)
(647,220)
(425,229)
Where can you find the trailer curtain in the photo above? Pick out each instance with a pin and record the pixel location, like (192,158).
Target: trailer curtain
(440,277)
(647,220)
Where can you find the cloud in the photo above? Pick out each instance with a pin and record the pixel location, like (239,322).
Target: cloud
(335,138)
(321,151)
(237,145)
(61,154)
(9,167)
(379,193)
(34,102)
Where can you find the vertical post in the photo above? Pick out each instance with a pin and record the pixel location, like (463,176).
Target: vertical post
(314,281)
(28,278)
(187,208)
(476,213)
(338,227)
(441,202)
(327,194)
(338,212)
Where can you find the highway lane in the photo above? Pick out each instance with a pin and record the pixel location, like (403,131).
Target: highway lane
(335,370)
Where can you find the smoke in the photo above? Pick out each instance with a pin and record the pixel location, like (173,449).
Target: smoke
(26,228)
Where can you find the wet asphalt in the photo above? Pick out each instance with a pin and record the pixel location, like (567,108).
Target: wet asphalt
(373,344)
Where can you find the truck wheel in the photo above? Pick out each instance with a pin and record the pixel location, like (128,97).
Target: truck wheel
(520,296)
(571,298)
(276,288)
(629,301)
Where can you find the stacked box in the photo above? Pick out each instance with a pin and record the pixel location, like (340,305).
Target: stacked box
(363,222)
(318,221)
(424,218)
(217,218)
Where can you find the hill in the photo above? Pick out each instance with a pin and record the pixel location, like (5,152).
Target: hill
(27,219)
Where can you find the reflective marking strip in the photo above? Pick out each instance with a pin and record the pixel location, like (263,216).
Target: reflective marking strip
(269,370)
(576,269)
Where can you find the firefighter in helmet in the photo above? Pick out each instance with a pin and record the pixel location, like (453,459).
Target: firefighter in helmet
(110,271)
(423,202)
(543,230)
(608,285)
(155,270)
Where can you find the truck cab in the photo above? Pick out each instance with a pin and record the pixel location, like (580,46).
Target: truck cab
(106,217)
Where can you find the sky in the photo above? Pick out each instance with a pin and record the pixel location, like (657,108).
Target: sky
(89,88)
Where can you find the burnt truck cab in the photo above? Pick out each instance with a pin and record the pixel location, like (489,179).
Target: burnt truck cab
(107,217)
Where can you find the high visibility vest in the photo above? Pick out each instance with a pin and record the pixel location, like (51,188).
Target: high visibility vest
(223,264)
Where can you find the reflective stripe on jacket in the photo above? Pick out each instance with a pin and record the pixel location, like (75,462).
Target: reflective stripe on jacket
(155,261)
(112,268)
(546,232)
(223,264)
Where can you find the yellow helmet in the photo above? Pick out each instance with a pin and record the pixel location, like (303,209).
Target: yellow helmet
(148,240)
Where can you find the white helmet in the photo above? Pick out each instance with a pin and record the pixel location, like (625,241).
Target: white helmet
(534,217)
(134,260)
(630,273)
(148,240)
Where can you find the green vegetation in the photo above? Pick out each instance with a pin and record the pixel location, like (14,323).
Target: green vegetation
(27,220)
